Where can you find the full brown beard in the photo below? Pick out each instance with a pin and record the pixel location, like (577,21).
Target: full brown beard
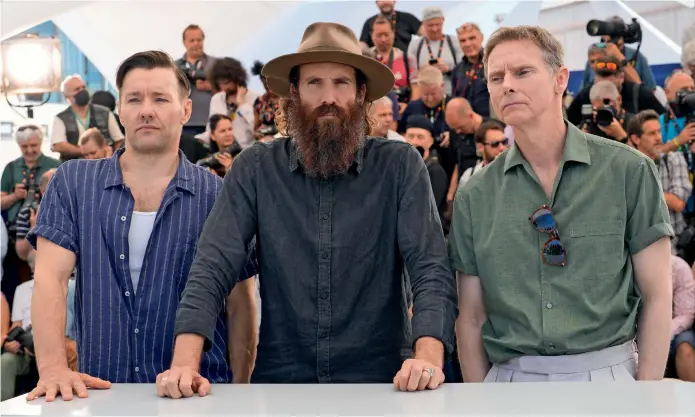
(327,146)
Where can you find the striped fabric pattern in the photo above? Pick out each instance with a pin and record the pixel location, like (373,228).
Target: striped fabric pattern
(127,336)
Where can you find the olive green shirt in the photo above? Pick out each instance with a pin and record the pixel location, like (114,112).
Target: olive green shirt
(608,205)
(17,170)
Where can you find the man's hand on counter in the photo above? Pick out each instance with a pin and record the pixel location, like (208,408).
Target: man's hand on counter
(63,381)
(181,381)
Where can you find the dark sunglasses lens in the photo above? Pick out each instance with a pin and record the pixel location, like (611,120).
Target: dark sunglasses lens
(554,252)
(543,220)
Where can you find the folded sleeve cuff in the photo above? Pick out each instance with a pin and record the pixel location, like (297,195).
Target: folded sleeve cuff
(432,324)
(467,268)
(645,238)
(53,234)
(196,322)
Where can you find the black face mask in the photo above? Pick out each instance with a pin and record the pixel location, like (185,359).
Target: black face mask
(421,150)
(82,98)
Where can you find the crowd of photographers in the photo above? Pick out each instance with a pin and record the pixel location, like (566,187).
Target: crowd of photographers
(439,104)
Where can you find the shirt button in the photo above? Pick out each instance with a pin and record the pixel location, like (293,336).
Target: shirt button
(551,346)
(137,369)
(324,255)
(127,293)
(122,256)
(137,331)
(324,295)
(325,216)
(123,218)
(549,305)
(322,374)
(322,333)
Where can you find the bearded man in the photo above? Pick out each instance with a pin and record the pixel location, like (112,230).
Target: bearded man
(337,215)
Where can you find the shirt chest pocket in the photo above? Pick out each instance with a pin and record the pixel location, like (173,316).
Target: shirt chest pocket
(598,248)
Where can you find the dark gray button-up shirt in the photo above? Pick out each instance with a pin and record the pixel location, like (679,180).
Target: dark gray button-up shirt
(331,254)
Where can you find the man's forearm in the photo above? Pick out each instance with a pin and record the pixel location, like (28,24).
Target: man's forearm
(8,201)
(653,336)
(242,330)
(471,353)
(67,149)
(48,311)
(188,350)
(431,350)
(674,203)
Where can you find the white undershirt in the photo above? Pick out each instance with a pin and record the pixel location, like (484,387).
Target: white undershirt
(141,226)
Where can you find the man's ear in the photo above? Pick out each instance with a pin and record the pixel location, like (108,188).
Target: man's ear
(186,111)
(635,139)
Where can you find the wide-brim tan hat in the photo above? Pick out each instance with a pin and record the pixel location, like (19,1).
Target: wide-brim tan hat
(329,42)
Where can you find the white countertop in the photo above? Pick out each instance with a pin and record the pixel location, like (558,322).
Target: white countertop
(665,398)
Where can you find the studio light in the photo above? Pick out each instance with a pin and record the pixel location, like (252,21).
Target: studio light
(30,65)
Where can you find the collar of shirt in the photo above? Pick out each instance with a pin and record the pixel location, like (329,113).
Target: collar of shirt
(184,178)
(37,165)
(297,158)
(576,149)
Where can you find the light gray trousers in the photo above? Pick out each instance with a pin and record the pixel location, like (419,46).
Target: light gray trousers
(617,363)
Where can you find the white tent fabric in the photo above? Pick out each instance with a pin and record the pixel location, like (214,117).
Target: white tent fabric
(107,31)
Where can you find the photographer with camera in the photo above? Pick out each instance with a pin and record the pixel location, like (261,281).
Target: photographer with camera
(223,147)
(26,218)
(635,97)
(233,99)
(18,347)
(605,116)
(195,63)
(615,33)
(402,66)
(678,123)
(264,108)
(20,177)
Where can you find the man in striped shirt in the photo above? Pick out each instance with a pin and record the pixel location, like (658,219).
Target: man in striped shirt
(131,224)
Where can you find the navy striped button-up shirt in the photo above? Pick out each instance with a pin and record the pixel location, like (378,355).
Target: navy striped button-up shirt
(127,336)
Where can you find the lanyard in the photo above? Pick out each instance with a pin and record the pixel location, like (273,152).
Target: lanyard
(470,75)
(389,62)
(434,113)
(89,115)
(429,49)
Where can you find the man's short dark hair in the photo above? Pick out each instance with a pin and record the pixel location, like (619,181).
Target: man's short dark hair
(636,125)
(228,69)
(192,27)
(151,60)
(487,125)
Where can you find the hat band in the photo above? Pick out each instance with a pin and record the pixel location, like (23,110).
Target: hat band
(326,48)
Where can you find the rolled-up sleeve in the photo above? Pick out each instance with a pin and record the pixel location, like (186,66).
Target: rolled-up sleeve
(421,243)
(648,219)
(223,250)
(56,221)
(461,250)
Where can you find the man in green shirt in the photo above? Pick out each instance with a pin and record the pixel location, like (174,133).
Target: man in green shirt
(21,176)
(561,245)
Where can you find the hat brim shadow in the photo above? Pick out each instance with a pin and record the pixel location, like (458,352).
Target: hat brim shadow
(380,79)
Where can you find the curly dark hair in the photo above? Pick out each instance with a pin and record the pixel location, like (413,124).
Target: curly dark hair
(228,69)
(257,69)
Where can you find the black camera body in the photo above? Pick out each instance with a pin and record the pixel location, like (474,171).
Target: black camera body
(24,337)
(684,106)
(631,33)
(403,94)
(211,161)
(33,198)
(193,74)
(605,115)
